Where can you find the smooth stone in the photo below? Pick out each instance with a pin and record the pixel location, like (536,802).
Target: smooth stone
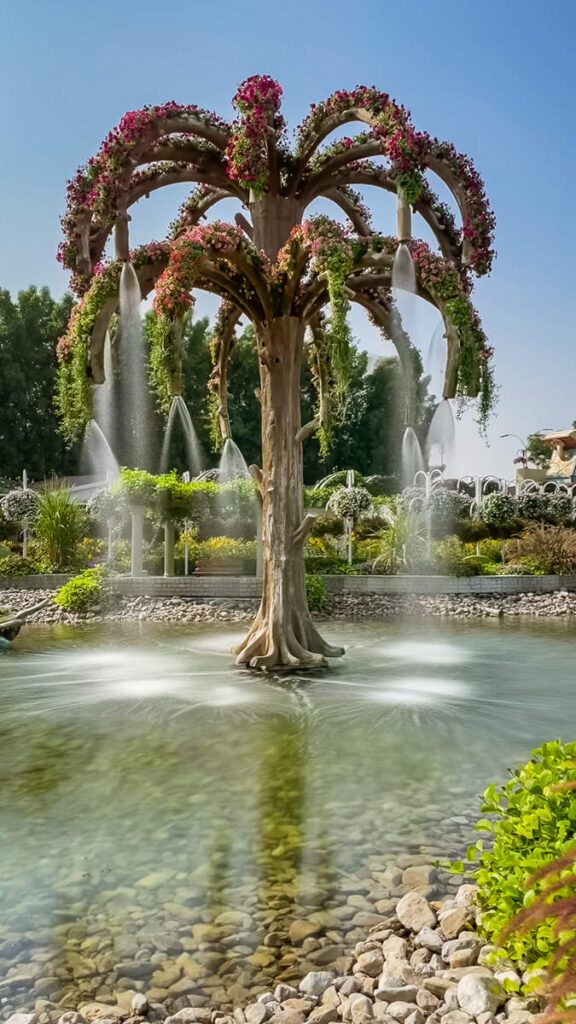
(453,921)
(282,992)
(414,912)
(135,969)
(22,1018)
(463,958)
(403,993)
(395,948)
(303,929)
(257,1013)
(315,983)
(427,1001)
(479,994)
(430,939)
(415,1018)
(139,1004)
(370,963)
(400,1010)
(419,874)
(360,1008)
(324,1014)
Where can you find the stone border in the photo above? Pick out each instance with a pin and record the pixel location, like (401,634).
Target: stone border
(238,587)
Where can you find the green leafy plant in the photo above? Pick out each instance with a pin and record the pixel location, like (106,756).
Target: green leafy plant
(532,823)
(59,525)
(15,565)
(85,592)
(315,592)
(403,545)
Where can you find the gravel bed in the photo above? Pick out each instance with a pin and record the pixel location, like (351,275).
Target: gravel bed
(339,606)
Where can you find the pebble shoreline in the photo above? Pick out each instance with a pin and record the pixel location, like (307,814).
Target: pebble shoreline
(401,948)
(375,607)
(422,962)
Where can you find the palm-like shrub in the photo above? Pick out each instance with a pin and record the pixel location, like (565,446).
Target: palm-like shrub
(59,525)
(403,545)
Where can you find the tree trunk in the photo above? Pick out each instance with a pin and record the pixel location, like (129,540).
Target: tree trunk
(283,636)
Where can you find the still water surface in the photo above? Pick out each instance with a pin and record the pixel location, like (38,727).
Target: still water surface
(157,804)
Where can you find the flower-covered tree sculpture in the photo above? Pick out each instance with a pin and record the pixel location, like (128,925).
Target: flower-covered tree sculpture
(293,278)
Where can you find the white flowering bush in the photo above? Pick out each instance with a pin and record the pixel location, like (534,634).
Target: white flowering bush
(350,502)
(499,510)
(19,505)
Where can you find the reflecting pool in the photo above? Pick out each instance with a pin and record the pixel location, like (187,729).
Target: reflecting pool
(172,825)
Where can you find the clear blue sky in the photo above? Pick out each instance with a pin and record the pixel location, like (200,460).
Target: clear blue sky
(497,78)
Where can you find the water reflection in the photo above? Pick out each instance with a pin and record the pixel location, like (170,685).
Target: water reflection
(156,803)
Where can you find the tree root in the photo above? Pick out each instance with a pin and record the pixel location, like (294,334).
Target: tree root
(285,646)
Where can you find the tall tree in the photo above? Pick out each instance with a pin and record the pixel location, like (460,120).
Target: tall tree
(285,274)
(29,431)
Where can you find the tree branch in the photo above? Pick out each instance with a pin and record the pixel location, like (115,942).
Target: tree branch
(301,532)
(307,430)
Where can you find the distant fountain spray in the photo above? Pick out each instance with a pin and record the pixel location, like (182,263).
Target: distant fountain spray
(435,360)
(412,459)
(97,454)
(135,412)
(179,414)
(440,437)
(105,397)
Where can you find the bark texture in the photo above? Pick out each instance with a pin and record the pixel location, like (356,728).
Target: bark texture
(283,636)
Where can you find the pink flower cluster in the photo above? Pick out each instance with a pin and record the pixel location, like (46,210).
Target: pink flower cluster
(97,187)
(258,101)
(173,296)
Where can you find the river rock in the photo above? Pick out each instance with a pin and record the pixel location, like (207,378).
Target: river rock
(403,993)
(400,1010)
(360,1008)
(480,994)
(370,963)
(316,982)
(414,912)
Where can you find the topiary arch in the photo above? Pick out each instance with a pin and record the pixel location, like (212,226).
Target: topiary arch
(290,276)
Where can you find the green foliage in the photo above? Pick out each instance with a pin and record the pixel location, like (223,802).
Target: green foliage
(454,558)
(530,825)
(29,432)
(315,592)
(83,593)
(15,565)
(137,486)
(537,451)
(173,498)
(59,525)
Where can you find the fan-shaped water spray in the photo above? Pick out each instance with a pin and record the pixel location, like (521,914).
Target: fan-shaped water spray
(135,409)
(179,414)
(412,458)
(232,465)
(97,454)
(403,272)
(440,437)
